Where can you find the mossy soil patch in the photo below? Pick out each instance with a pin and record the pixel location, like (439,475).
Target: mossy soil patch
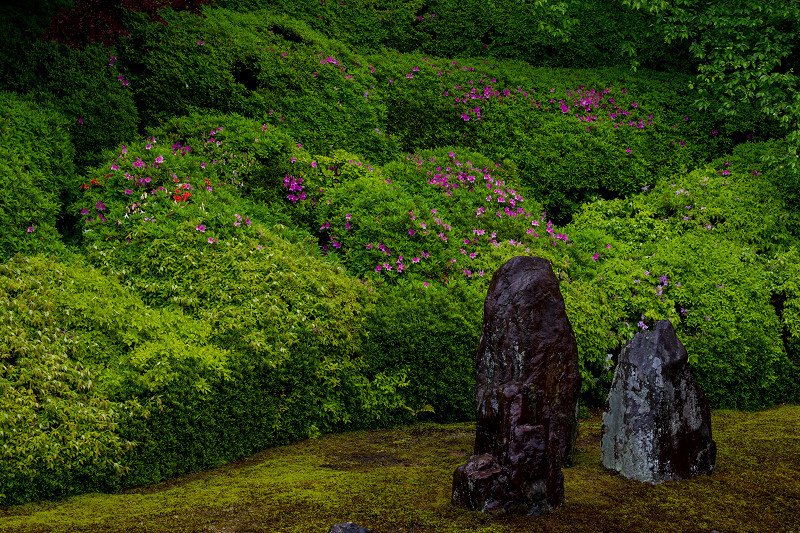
(399,480)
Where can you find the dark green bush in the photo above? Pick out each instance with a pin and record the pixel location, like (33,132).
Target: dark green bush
(431,334)
(592,34)
(271,68)
(82,85)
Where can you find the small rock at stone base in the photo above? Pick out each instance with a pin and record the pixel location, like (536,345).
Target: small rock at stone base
(348,527)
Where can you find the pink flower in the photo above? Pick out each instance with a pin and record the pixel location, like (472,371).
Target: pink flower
(211,240)
(314,164)
(201,228)
(595,256)
(31,229)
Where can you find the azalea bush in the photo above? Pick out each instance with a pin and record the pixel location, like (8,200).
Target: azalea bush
(263,66)
(291,322)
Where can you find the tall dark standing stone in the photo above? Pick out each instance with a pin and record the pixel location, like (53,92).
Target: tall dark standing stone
(657,425)
(527,393)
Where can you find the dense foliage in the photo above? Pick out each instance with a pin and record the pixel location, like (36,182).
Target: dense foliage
(245,228)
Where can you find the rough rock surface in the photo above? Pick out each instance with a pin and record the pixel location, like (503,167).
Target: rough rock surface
(348,527)
(527,394)
(657,425)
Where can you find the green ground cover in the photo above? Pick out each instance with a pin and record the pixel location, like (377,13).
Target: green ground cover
(399,480)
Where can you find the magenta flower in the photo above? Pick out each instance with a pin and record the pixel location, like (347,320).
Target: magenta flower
(128,191)
(201,228)
(31,229)
(595,256)
(314,164)
(211,240)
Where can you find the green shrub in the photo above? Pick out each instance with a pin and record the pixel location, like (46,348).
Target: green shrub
(267,149)
(728,325)
(36,169)
(696,250)
(271,68)
(431,334)
(77,351)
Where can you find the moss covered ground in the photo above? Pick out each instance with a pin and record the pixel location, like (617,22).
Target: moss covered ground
(398,480)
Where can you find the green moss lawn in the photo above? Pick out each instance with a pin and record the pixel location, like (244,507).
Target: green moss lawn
(398,480)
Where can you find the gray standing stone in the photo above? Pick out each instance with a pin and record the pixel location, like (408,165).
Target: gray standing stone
(527,393)
(657,425)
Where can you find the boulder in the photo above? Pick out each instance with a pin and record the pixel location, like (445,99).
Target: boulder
(527,389)
(657,424)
